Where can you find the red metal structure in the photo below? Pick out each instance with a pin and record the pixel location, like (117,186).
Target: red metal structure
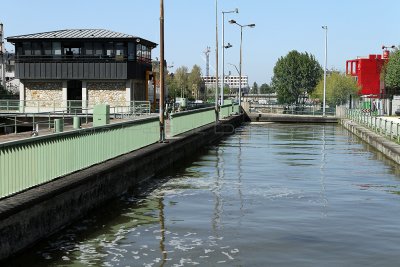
(368,73)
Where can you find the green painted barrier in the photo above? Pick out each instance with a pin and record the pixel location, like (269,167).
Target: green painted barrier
(188,120)
(29,162)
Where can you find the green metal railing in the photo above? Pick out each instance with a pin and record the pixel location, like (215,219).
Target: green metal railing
(29,162)
(228,109)
(314,110)
(380,125)
(71,106)
(188,120)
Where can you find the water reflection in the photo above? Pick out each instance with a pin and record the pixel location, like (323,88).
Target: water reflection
(271,195)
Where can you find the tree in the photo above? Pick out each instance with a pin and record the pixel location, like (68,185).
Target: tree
(255,88)
(392,72)
(181,80)
(173,90)
(195,82)
(338,89)
(266,89)
(294,75)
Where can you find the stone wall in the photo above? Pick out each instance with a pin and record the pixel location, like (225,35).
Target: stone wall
(46,94)
(106,92)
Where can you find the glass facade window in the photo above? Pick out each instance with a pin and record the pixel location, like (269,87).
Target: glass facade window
(88,48)
(56,48)
(109,47)
(47,48)
(143,53)
(98,49)
(131,51)
(26,46)
(36,49)
(119,49)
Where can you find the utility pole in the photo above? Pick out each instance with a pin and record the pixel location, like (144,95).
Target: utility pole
(2,62)
(216,63)
(326,59)
(162,81)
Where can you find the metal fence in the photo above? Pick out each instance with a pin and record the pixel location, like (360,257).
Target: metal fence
(29,162)
(384,126)
(71,106)
(314,110)
(32,161)
(188,120)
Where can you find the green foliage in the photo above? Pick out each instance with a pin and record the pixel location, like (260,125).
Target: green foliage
(392,71)
(338,89)
(195,82)
(266,89)
(185,84)
(294,75)
(255,88)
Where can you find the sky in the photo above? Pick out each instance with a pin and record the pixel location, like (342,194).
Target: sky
(355,28)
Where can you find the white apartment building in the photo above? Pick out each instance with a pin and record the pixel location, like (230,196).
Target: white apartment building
(231,81)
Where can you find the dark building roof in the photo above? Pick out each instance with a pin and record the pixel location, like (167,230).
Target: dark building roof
(79,34)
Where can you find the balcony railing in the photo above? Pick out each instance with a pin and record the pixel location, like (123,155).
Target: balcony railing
(79,58)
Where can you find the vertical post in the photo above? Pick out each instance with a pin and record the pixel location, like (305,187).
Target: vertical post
(3,65)
(240,70)
(162,122)
(326,59)
(216,61)
(223,59)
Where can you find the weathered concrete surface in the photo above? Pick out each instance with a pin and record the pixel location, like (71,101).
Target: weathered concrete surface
(265,117)
(382,144)
(37,213)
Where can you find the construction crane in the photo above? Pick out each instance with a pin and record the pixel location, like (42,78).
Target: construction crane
(207,53)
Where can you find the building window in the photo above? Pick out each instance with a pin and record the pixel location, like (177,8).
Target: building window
(98,49)
(88,49)
(143,53)
(47,48)
(131,51)
(109,47)
(36,49)
(56,48)
(26,46)
(119,51)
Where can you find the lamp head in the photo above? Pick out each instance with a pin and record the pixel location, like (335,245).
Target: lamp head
(232,21)
(252,25)
(236,10)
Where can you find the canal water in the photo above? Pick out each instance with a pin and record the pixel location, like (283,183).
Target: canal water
(270,195)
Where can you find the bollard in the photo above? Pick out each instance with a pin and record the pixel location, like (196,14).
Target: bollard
(58,125)
(76,122)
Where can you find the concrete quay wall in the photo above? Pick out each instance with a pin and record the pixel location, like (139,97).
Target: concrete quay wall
(37,213)
(381,143)
(288,118)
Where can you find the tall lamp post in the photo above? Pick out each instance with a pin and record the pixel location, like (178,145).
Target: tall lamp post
(240,64)
(223,51)
(162,81)
(326,59)
(216,63)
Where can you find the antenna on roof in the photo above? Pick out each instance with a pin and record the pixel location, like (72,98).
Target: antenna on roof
(207,53)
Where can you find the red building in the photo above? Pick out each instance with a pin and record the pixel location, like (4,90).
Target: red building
(368,73)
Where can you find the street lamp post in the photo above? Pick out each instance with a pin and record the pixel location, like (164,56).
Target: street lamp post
(162,81)
(216,63)
(240,64)
(326,59)
(223,51)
